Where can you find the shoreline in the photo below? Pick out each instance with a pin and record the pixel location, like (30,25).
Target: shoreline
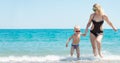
(56,59)
(102,61)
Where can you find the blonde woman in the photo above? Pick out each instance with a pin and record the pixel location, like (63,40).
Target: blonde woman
(96,32)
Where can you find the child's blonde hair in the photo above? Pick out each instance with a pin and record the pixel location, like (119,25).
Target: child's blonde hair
(77,27)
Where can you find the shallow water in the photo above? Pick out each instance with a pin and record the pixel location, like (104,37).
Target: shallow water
(48,45)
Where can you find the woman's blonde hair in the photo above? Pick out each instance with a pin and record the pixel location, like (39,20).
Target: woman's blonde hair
(98,8)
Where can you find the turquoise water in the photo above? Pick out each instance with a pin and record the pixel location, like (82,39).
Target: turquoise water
(46,42)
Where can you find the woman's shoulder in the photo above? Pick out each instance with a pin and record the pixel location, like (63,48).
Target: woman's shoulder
(91,15)
(104,16)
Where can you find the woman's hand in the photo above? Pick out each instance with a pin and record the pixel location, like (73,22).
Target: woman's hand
(115,29)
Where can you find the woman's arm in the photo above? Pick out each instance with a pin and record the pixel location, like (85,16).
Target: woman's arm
(109,22)
(89,23)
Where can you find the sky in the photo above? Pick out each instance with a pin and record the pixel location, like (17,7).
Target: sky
(42,14)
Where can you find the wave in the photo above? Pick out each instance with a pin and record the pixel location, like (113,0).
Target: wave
(55,58)
(30,58)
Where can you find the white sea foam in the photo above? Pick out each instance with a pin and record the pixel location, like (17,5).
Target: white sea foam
(54,58)
(108,56)
(47,58)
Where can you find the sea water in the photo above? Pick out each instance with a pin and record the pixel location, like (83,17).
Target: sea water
(48,45)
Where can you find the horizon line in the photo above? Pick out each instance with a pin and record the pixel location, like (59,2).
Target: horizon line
(48,28)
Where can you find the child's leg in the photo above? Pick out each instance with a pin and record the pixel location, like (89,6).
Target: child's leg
(78,52)
(72,50)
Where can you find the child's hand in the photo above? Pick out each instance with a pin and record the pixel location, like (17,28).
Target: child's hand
(66,45)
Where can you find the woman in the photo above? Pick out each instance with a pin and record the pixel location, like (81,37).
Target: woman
(96,32)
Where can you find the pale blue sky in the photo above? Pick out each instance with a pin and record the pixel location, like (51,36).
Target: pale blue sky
(54,13)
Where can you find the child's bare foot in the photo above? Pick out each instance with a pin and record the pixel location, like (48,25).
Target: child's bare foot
(71,58)
(78,58)
(96,55)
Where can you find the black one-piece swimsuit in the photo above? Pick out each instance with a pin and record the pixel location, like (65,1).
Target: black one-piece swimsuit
(96,30)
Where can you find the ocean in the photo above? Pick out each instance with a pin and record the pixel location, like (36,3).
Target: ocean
(48,46)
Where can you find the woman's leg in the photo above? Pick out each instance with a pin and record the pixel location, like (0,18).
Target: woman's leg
(98,40)
(93,39)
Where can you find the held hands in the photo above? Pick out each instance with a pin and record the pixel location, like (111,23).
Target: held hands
(84,34)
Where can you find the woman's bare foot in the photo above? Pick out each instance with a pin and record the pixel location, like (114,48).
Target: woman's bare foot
(101,55)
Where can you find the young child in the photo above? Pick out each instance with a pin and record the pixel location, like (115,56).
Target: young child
(75,41)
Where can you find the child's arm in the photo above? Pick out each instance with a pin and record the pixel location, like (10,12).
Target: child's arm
(68,40)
